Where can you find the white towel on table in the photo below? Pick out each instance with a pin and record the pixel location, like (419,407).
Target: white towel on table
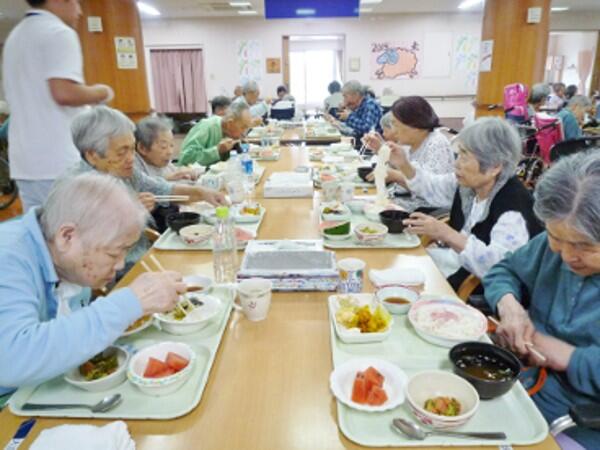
(113,436)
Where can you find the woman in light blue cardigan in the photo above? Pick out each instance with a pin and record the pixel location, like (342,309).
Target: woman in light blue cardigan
(547,293)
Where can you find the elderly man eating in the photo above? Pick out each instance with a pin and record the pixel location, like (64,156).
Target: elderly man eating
(211,140)
(50,257)
(249,97)
(362,113)
(105,138)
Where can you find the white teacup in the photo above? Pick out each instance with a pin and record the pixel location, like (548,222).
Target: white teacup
(255,298)
(346,191)
(235,189)
(330,190)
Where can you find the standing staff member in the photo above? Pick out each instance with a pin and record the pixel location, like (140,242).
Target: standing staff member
(43,81)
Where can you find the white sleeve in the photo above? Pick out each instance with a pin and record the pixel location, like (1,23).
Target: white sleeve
(437,189)
(508,234)
(259,109)
(62,56)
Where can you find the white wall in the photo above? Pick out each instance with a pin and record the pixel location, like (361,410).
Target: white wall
(218,38)
(568,45)
(575,21)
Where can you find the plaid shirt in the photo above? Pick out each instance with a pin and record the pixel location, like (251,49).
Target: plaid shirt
(365,117)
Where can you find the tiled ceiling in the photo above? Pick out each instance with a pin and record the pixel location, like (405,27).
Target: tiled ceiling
(14,9)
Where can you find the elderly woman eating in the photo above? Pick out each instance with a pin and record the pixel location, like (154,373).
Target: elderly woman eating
(546,293)
(490,210)
(50,257)
(154,149)
(413,123)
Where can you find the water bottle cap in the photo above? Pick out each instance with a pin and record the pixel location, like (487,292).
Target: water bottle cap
(233,153)
(222,212)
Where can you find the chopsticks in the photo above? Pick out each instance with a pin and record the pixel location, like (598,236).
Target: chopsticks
(529,345)
(162,269)
(172,198)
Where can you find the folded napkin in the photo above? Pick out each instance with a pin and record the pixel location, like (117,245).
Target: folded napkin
(412,278)
(113,436)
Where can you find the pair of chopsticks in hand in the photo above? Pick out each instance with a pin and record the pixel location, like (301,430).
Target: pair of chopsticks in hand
(162,269)
(172,198)
(529,345)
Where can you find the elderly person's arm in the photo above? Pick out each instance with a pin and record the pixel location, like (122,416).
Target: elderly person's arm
(158,186)
(196,151)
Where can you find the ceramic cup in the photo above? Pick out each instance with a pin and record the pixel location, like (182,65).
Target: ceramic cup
(346,192)
(235,189)
(351,275)
(212,181)
(255,298)
(330,190)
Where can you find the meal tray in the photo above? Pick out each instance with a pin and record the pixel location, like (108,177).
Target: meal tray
(137,405)
(170,240)
(521,420)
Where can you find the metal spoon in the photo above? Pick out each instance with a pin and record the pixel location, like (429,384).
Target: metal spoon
(414,431)
(105,405)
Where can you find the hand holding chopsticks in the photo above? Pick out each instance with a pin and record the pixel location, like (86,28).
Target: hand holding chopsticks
(162,269)
(529,345)
(172,198)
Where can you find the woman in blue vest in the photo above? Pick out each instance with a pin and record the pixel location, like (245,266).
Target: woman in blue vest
(491,212)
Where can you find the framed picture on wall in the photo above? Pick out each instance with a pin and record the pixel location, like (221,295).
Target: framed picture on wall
(273,65)
(354,64)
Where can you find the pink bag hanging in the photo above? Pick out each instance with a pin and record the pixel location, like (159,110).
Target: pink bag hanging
(549,132)
(515,102)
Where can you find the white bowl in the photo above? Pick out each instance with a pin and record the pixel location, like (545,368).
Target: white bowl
(344,213)
(198,207)
(340,147)
(164,385)
(447,322)
(142,323)
(435,383)
(196,319)
(75,378)
(381,232)
(354,335)
(356,206)
(391,292)
(197,280)
(334,237)
(196,234)
(342,378)
(239,217)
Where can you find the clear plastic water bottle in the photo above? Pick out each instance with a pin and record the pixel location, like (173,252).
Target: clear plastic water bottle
(224,248)
(234,169)
(248,175)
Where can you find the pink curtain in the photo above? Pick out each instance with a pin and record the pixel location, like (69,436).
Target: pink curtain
(178,81)
(584,67)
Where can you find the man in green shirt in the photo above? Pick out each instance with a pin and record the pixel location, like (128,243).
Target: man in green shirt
(211,140)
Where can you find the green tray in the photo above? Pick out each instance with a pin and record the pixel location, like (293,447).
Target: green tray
(137,405)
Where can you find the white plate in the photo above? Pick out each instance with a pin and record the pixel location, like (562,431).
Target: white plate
(444,313)
(354,335)
(198,280)
(342,378)
(247,218)
(145,325)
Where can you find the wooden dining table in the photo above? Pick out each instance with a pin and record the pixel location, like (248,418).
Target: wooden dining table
(269,385)
(297,136)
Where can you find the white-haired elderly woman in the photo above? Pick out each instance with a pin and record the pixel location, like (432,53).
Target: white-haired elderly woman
(547,292)
(491,212)
(105,138)
(573,116)
(155,148)
(50,257)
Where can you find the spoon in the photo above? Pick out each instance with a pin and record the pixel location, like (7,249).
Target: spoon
(414,431)
(105,405)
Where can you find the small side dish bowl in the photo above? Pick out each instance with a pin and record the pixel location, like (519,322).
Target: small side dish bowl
(491,370)
(104,383)
(335,230)
(206,307)
(397,300)
(363,172)
(164,385)
(433,384)
(371,233)
(177,221)
(393,219)
(196,234)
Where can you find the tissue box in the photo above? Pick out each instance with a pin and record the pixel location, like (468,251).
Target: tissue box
(288,185)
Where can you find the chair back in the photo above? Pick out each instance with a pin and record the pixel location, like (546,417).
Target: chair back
(566,148)
(515,102)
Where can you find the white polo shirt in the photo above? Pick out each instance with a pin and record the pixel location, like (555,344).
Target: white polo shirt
(39,48)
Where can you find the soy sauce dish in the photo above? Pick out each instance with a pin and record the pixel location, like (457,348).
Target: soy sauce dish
(491,370)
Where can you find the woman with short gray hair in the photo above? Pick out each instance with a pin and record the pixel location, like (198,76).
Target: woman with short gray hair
(154,150)
(557,275)
(491,212)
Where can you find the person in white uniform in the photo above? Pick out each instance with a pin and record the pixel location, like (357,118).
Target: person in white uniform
(44,85)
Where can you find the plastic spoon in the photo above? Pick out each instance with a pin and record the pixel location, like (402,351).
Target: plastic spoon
(414,431)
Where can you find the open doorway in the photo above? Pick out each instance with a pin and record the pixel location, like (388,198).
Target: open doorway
(314,62)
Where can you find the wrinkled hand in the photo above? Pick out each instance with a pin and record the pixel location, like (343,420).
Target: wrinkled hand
(147,199)
(558,353)
(215,198)
(343,114)
(516,328)
(225,145)
(158,291)
(423,224)
(183,174)
(372,141)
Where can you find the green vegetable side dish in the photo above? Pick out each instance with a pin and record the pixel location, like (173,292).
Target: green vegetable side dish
(368,230)
(99,366)
(337,230)
(443,406)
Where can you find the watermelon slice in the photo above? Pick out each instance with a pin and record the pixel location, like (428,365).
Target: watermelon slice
(176,362)
(374,378)
(359,390)
(154,367)
(377,396)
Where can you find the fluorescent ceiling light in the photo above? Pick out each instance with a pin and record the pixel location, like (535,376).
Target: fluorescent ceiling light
(365,10)
(305,12)
(239,4)
(248,12)
(559,8)
(370,2)
(466,4)
(147,9)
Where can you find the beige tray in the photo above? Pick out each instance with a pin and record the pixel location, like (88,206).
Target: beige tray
(137,405)
(521,420)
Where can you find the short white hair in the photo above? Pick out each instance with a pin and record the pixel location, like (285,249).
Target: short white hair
(250,86)
(101,206)
(353,87)
(93,128)
(236,111)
